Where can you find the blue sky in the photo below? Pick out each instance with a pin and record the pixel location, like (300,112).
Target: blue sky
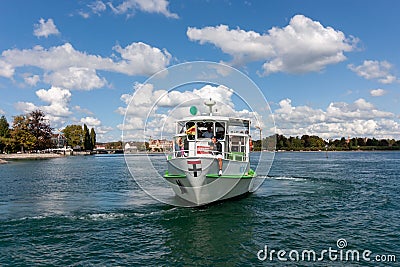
(329,68)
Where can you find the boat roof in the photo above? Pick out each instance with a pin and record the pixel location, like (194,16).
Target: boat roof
(232,121)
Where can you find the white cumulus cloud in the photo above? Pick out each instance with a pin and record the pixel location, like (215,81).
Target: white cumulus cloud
(129,7)
(157,110)
(57,110)
(339,119)
(6,69)
(141,58)
(302,46)
(32,80)
(66,67)
(45,28)
(97,7)
(25,107)
(242,45)
(377,92)
(90,121)
(76,78)
(375,70)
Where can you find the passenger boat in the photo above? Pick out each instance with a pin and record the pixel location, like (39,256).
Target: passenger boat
(194,166)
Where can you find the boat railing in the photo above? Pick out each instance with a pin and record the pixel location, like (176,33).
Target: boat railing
(235,156)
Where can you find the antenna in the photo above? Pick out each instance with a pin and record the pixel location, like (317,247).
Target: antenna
(210,103)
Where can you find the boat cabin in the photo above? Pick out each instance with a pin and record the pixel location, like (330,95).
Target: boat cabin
(193,137)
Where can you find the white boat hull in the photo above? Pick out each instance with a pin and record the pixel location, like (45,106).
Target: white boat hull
(196,179)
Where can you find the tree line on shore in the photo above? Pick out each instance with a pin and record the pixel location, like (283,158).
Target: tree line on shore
(32,132)
(315,143)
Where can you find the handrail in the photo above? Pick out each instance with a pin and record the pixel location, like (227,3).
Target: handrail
(236,156)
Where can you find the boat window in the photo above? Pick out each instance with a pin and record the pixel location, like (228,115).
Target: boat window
(205,129)
(180,127)
(190,130)
(238,129)
(238,144)
(239,126)
(220,130)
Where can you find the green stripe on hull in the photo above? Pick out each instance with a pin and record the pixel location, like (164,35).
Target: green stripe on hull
(174,176)
(250,175)
(231,176)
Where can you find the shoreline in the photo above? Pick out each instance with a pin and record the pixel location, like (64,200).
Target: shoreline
(5,157)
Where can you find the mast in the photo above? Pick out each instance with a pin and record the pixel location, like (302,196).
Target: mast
(210,103)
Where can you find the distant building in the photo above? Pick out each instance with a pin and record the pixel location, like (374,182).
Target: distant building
(100,147)
(77,148)
(130,148)
(348,140)
(158,145)
(58,140)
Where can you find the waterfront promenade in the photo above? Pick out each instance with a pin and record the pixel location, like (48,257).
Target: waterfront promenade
(15,156)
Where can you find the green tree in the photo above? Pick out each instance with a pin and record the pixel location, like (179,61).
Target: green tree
(114,145)
(22,138)
(4,127)
(353,143)
(87,144)
(281,141)
(372,142)
(316,142)
(4,133)
(343,142)
(296,143)
(269,142)
(383,142)
(93,138)
(306,139)
(256,145)
(40,129)
(392,142)
(74,135)
(361,141)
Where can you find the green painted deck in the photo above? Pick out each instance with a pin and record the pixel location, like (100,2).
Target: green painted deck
(250,175)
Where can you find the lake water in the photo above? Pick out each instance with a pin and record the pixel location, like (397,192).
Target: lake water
(88,211)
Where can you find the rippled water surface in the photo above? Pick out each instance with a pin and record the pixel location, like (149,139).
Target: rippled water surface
(88,211)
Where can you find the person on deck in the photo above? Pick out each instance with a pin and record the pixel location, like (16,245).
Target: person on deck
(209,133)
(179,147)
(216,148)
